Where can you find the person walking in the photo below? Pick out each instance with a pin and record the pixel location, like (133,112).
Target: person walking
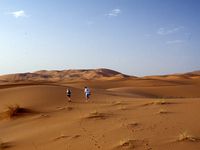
(87,93)
(68,93)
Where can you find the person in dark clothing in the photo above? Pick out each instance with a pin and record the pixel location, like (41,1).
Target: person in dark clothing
(69,93)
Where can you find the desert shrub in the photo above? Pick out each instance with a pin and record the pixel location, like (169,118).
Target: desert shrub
(15,110)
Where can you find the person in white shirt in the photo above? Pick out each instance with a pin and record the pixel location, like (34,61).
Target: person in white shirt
(87,93)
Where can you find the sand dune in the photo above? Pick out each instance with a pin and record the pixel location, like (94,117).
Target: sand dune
(124,112)
(65,75)
(183,91)
(183,76)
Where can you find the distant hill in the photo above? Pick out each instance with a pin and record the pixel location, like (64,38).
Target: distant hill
(65,75)
(194,73)
(187,75)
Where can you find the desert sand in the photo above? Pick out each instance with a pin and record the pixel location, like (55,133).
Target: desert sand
(123,113)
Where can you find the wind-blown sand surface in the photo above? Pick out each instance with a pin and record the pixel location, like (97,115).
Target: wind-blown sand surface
(150,113)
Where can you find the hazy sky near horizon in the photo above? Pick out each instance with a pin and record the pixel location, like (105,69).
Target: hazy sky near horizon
(137,37)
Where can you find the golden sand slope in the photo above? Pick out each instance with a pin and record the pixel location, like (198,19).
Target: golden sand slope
(125,113)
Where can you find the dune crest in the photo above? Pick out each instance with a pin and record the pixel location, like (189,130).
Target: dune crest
(64,75)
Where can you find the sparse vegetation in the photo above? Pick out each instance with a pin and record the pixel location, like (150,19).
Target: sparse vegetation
(97,115)
(127,143)
(69,108)
(122,108)
(187,137)
(43,116)
(65,108)
(4,145)
(162,111)
(117,103)
(157,102)
(133,124)
(15,110)
(60,108)
(160,102)
(62,136)
(76,136)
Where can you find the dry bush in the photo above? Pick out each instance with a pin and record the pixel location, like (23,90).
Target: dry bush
(116,103)
(127,144)
(187,137)
(96,115)
(160,102)
(62,136)
(130,144)
(65,108)
(76,136)
(15,110)
(132,124)
(69,108)
(122,108)
(162,111)
(157,102)
(4,145)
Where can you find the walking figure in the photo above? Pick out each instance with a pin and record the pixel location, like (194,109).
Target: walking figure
(68,92)
(87,93)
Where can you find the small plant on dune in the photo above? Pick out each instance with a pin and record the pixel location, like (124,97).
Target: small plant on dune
(12,110)
(15,110)
(127,143)
(187,137)
(4,145)
(117,103)
(96,114)
(162,111)
(157,102)
(69,108)
(76,136)
(62,136)
(160,102)
(43,115)
(122,108)
(133,124)
(60,108)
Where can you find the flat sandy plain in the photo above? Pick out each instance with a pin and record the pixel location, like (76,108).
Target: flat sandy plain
(124,112)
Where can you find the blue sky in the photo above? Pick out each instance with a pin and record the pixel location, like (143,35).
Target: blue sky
(137,37)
